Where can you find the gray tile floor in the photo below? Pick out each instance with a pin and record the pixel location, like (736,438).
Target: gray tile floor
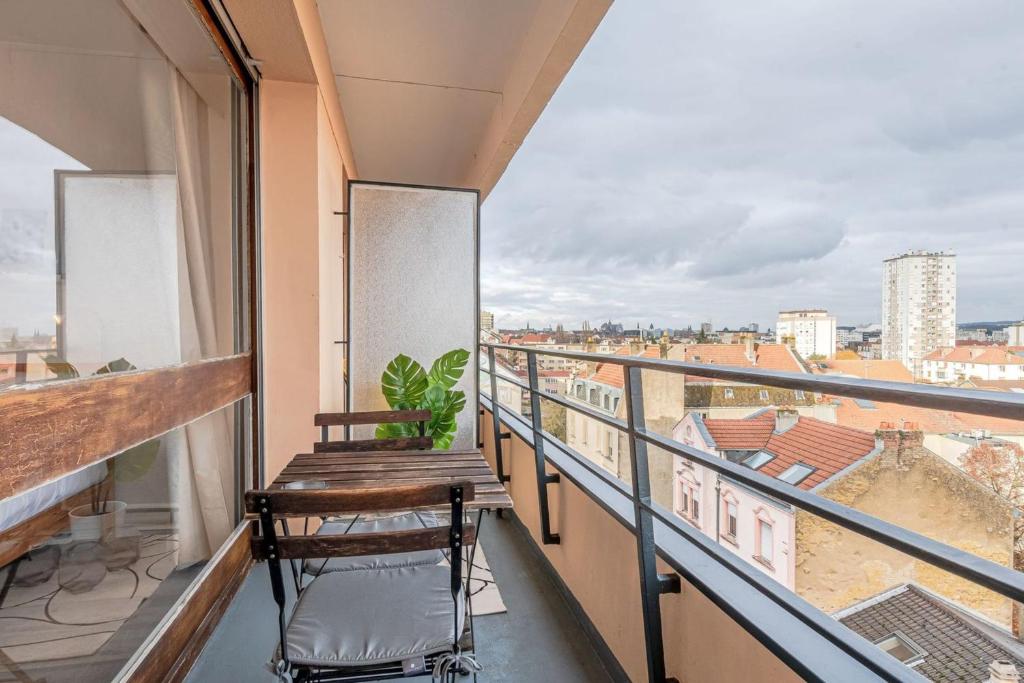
(538,639)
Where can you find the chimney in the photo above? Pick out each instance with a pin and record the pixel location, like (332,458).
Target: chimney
(748,343)
(911,435)
(889,436)
(1002,671)
(785,419)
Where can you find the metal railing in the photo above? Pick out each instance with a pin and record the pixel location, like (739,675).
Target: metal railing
(996,577)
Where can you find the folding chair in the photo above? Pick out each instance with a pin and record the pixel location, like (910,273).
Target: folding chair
(374,623)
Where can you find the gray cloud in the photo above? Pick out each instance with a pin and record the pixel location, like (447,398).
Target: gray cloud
(710,160)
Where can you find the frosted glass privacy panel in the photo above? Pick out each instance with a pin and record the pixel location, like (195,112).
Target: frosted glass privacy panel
(117,242)
(412,288)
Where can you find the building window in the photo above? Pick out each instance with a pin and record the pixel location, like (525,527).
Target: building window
(799,394)
(580,391)
(729,393)
(607,402)
(796,473)
(593,396)
(730,513)
(757,460)
(763,394)
(689,501)
(902,648)
(765,542)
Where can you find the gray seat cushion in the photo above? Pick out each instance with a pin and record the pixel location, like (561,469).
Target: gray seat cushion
(367,525)
(357,618)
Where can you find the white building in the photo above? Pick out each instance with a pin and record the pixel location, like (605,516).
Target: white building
(810,332)
(1015,334)
(964,362)
(486,320)
(918,306)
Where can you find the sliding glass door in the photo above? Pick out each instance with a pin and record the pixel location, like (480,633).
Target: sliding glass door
(125,364)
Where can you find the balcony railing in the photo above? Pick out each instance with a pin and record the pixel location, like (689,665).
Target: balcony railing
(814,645)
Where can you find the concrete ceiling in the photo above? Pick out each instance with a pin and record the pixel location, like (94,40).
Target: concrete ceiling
(442,92)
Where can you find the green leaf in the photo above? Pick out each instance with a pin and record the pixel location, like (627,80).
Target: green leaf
(397,430)
(448,368)
(60,367)
(403,383)
(444,407)
(119,365)
(135,462)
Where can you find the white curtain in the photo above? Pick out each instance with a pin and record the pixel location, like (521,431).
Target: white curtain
(205,452)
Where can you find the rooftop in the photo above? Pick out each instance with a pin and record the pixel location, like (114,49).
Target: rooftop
(979,355)
(890,370)
(958,645)
(826,447)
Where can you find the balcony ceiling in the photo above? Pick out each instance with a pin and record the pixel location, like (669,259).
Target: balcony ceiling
(442,92)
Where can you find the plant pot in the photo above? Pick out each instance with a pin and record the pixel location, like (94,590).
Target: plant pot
(86,525)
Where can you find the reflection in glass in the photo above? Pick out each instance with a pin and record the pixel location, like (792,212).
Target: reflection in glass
(110,549)
(116,177)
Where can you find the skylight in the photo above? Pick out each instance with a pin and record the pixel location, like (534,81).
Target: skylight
(902,648)
(758,460)
(796,473)
(864,403)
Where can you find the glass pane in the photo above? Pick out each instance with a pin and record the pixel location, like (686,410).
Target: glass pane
(117,184)
(113,546)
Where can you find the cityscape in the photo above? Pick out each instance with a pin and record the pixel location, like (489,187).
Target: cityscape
(954,477)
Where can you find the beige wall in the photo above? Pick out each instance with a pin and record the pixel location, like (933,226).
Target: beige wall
(290,211)
(302,185)
(597,561)
(331,198)
(836,568)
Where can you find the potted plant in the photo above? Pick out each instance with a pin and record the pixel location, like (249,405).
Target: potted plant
(103,519)
(407,386)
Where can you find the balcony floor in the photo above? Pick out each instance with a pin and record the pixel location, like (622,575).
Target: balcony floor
(538,639)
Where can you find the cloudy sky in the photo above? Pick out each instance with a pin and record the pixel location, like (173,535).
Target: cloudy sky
(709,160)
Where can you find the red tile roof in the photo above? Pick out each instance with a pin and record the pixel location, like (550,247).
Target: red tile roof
(850,414)
(534,338)
(766,357)
(889,370)
(827,447)
(611,374)
(983,355)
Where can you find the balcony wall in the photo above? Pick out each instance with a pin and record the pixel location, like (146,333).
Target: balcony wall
(597,562)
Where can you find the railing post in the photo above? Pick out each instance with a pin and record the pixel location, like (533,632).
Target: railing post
(652,585)
(543,478)
(496,418)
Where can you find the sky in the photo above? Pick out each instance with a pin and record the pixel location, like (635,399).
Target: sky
(720,161)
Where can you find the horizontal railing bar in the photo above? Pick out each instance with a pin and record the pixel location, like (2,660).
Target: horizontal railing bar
(516,381)
(586,410)
(1004,580)
(873,657)
(975,401)
(571,405)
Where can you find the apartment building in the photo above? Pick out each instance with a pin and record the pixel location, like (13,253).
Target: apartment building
(486,321)
(888,473)
(810,332)
(949,365)
(1015,334)
(918,306)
